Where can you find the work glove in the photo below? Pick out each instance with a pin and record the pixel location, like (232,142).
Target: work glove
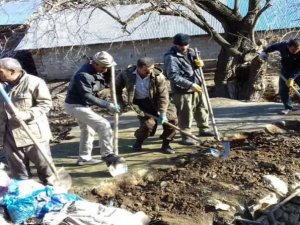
(114,108)
(198,63)
(197,88)
(263,56)
(290,82)
(162,118)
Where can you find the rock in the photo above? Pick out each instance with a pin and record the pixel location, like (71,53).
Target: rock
(163,184)
(278,185)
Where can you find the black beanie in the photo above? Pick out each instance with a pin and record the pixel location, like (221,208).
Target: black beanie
(181,39)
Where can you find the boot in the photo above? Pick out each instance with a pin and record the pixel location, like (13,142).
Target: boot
(185,140)
(206,132)
(112,159)
(137,146)
(166,148)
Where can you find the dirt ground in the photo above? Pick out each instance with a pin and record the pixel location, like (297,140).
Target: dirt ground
(185,194)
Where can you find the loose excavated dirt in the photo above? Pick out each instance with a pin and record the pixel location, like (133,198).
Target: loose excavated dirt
(188,191)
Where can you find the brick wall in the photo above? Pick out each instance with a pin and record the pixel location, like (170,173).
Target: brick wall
(61,63)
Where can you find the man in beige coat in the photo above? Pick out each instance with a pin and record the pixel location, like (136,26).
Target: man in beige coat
(31,97)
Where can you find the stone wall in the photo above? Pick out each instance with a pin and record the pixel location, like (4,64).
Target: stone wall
(61,63)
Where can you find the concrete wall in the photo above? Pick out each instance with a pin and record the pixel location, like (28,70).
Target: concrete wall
(61,63)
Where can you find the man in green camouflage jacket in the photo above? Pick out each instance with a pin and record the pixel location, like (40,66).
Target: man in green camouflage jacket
(147,94)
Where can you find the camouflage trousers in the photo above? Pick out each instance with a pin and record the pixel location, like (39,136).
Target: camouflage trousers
(148,124)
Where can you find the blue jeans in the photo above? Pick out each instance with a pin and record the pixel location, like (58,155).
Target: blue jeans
(284,93)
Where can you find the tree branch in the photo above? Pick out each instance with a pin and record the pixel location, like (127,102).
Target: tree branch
(258,14)
(236,7)
(219,10)
(203,24)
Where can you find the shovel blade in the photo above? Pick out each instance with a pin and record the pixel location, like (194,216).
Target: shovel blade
(226,146)
(118,169)
(62,181)
(217,153)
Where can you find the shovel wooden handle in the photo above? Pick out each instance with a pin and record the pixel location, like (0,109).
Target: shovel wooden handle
(200,76)
(8,102)
(283,78)
(176,128)
(116,115)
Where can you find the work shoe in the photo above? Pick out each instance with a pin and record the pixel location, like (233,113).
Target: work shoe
(206,132)
(187,141)
(112,159)
(167,149)
(137,146)
(83,162)
(285,112)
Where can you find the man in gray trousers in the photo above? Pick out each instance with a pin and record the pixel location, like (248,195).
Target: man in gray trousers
(83,93)
(31,97)
(180,63)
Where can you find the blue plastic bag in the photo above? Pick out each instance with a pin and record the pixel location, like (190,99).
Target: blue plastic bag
(21,209)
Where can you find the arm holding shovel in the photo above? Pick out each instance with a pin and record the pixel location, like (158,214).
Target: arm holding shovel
(29,101)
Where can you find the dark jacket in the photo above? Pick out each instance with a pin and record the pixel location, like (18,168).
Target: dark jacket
(84,86)
(179,69)
(158,89)
(290,62)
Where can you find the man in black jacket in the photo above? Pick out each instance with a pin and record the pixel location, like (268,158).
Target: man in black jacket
(290,68)
(180,63)
(82,93)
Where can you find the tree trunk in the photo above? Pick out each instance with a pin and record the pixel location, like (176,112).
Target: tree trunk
(240,77)
(223,73)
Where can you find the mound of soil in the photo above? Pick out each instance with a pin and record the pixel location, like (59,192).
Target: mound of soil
(185,194)
(189,189)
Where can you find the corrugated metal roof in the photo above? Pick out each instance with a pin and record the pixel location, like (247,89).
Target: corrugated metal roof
(17,12)
(93,26)
(283,14)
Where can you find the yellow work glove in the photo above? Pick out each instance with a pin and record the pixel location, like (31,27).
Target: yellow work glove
(198,63)
(197,88)
(290,82)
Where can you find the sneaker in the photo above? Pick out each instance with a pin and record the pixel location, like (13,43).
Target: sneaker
(187,141)
(137,146)
(83,162)
(285,112)
(112,159)
(206,132)
(167,149)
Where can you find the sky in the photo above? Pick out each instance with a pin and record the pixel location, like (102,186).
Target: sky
(282,14)
(17,12)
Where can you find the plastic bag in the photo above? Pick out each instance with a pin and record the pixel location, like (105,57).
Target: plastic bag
(21,209)
(4,182)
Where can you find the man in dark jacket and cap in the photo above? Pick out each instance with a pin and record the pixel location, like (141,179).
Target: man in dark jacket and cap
(83,93)
(180,63)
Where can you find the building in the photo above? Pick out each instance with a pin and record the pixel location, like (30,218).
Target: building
(60,42)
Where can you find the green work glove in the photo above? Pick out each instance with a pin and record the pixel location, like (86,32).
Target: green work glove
(162,118)
(114,108)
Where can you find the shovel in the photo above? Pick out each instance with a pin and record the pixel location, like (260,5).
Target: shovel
(283,78)
(119,168)
(226,144)
(176,128)
(63,181)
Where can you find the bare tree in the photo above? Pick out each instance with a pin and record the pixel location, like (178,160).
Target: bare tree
(239,72)
(239,45)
